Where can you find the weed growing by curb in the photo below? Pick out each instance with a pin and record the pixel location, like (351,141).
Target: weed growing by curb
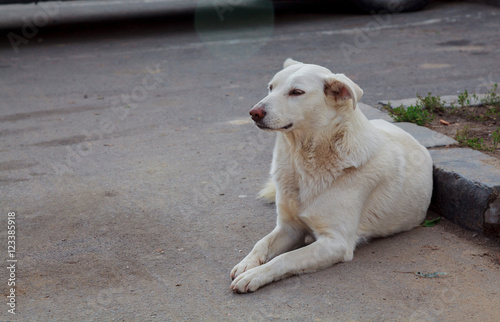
(495,136)
(492,98)
(464,99)
(426,108)
(413,114)
(422,113)
(433,104)
(463,137)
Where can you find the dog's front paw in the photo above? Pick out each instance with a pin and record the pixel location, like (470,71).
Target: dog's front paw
(250,281)
(244,266)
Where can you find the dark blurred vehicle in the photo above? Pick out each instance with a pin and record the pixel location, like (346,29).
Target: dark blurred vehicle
(391,6)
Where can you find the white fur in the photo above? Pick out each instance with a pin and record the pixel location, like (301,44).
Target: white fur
(336,176)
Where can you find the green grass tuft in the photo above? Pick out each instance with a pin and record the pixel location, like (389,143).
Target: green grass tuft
(413,114)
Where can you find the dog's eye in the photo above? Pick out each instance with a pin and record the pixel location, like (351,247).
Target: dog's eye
(296,92)
(270,87)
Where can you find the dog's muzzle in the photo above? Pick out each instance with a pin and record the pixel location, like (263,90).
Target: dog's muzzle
(257,113)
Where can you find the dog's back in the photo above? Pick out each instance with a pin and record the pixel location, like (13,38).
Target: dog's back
(401,200)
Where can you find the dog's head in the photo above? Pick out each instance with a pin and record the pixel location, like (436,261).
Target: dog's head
(305,96)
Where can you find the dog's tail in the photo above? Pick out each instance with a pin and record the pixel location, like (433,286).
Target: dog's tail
(269,192)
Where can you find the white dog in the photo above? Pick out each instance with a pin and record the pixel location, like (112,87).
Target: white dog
(335,176)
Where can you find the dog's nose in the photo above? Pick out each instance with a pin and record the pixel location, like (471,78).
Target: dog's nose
(257,113)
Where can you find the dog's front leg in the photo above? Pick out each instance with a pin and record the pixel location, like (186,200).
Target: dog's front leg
(283,238)
(324,252)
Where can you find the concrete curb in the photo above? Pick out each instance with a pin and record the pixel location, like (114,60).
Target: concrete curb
(467,188)
(466,182)
(448,101)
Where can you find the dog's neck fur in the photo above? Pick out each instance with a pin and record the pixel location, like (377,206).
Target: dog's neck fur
(350,143)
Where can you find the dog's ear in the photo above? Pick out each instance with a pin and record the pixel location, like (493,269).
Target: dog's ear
(290,62)
(341,87)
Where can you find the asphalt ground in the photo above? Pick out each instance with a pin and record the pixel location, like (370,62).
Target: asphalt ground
(129,160)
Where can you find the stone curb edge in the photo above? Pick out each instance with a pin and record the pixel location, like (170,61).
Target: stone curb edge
(466,182)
